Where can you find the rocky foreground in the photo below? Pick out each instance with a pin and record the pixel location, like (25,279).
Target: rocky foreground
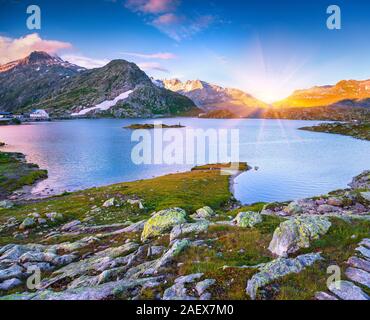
(183,237)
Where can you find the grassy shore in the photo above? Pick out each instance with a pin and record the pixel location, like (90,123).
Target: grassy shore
(16,173)
(356,130)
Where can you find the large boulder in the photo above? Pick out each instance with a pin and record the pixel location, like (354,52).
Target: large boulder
(188,228)
(297,233)
(362,181)
(277,269)
(203,213)
(346,290)
(248,219)
(163,221)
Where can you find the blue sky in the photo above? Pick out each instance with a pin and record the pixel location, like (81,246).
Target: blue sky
(267,48)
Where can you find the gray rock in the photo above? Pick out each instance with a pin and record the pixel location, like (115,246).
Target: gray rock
(27,223)
(6,204)
(162,222)
(10,284)
(55,216)
(136,203)
(279,268)
(187,228)
(177,292)
(360,276)
(203,213)
(109,203)
(365,242)
(324,296)
(337,202)
(189,278)
(155,250)
(71,226)
(14,271)
(248,219)
(121,288)
(297,233)
(365,195)
(359,263)
(204,285)
(364,251)
(326,208)
(293,208)
(346,290)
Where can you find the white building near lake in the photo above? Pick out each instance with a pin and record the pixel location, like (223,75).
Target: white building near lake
(39,114)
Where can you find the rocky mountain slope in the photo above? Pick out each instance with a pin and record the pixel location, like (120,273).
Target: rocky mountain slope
(118,89)
(211,97)
(347,93)
(26,81)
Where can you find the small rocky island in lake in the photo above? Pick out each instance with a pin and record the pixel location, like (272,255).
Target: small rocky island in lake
(153,126)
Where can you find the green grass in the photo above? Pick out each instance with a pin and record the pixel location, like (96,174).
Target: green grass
(15,173)
(337,246)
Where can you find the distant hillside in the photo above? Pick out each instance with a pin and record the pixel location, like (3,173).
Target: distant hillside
(349,93)
(119,89)
(210,97)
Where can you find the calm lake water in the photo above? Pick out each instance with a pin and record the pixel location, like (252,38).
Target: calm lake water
(292,164)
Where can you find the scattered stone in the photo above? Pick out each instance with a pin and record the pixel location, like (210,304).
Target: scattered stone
(293,208)
(364,251)
(203,213)
(360,276)
(27,223)
(297,233)
(187,228)
(71,226)
(6,204)
(204,285)
(337,202)
(155,250)
(248,219)
(10,284)
(136,202)
(189,278)
(277,269)
(162,222)
(109,203)
(359,263)
(324,296)
(346,290)
(325,208)
(365,195)
(55,216)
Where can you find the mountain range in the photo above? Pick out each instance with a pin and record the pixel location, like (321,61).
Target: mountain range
(210,97)
(119,89)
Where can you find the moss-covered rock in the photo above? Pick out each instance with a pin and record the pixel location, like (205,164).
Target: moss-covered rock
(163,221)
(203,213)
(248,219)
(297,233)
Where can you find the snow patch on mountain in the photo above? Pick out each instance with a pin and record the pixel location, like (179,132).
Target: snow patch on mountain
(104,106)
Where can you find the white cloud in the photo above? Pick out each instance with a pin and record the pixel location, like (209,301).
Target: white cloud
(152,66)
(14,49)
(160,55)
(82,61)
